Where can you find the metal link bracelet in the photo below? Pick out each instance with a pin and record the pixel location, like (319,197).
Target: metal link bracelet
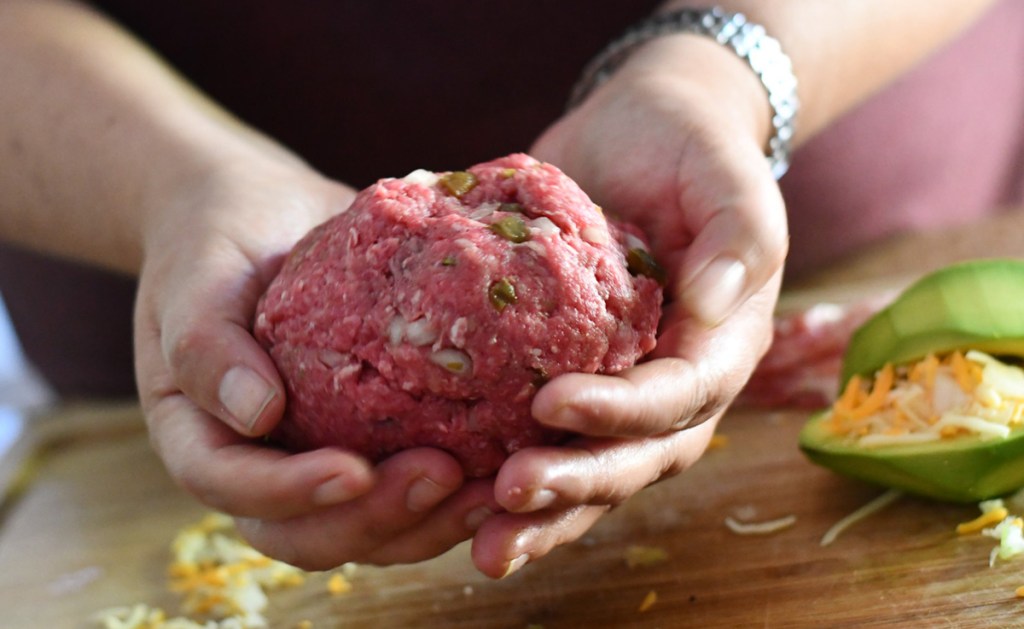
(749,41)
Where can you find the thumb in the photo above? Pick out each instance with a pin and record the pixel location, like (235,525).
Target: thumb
(205,342)
(740,240)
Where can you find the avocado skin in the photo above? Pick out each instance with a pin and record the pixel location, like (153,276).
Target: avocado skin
(971,305)
(961,470)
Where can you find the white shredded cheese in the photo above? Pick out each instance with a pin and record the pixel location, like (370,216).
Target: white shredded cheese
(759,528)
(223,582)
(960,394)
(862,513)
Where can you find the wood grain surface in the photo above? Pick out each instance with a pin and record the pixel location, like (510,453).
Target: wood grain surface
(90,513)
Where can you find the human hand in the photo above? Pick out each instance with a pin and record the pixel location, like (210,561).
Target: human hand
(681,156)
(209,391)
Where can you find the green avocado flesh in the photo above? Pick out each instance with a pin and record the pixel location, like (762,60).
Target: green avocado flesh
(973,305)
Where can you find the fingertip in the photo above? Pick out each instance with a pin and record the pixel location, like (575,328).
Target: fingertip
(425,476)
(568,401)
(716,290)
(353,478)
(250,401)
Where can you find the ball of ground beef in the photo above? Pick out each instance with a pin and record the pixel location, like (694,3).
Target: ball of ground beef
(431,311)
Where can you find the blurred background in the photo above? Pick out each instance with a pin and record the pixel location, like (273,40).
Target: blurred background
(22,391)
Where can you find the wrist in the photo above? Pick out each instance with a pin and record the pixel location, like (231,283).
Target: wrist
(722,31)
(711,74)
(208,162)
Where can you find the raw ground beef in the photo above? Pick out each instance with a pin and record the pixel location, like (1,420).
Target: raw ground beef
(802,366)
(429,312)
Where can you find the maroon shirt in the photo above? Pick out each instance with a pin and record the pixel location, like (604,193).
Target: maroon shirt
(364,90)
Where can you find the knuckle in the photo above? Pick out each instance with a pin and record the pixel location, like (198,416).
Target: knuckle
(183,348)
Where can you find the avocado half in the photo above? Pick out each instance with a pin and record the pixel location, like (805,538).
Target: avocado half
(971,305)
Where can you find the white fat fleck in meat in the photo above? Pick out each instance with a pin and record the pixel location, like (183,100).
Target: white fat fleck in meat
(594,234)
(348,371)
(396,329)
(332,358)
(353,237)
(422,177)
(421,332)
(535,246)
(543,226)
(484,210)
(632,242)
(453,360)
(457,332)
(464,243)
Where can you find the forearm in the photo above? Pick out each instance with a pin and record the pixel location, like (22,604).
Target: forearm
(96,133)
(845,50)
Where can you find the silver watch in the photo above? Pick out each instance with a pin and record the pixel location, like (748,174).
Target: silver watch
(749,41)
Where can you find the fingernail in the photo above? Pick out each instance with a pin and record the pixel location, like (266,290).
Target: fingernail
(566,417)
(476,517)
(541,499)
(424,494)
(332,491)
(516,564)
(716,290)
(245,395)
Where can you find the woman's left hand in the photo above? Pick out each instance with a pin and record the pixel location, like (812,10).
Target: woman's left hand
(683,160)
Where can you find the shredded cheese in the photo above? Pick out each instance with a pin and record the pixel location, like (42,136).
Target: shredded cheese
(864,512)
(991,516)
(644,556)
(957,395)
(222,580)
(648,602)
(759,528)
(1008,529)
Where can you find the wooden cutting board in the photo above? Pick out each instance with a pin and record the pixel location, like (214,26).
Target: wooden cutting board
(93,513)
(93,529)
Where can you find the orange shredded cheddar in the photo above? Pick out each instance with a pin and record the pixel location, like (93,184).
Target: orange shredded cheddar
(851,395)
(923,372)
(962,372)
(648,602)
(994,516)
(879,391)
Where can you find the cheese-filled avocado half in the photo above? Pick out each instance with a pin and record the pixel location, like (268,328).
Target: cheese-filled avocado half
(932,394)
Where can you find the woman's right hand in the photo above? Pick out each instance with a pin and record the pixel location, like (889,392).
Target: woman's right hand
(210,391)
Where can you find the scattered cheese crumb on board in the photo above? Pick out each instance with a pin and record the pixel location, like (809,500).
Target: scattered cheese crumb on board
(1008,529)
(759,528)
(648,602)
(862,513)
(223,582)
(644,556)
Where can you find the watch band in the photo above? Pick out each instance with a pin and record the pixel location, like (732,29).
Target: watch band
(749,41)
